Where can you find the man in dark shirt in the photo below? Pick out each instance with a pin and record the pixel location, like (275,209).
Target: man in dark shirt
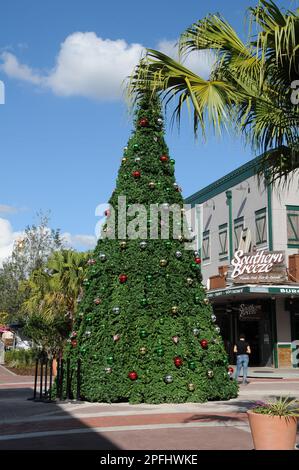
(242,349)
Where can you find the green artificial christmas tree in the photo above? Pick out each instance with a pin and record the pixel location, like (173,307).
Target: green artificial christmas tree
(146,332)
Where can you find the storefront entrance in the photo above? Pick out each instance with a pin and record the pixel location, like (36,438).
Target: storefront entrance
(255,320)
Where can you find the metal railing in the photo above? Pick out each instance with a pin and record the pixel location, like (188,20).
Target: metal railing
(59,382)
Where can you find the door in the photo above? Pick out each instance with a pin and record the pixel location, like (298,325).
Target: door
(251,331)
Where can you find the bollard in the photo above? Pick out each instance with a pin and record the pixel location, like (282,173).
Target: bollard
(68,381)
(50,380)
(78,379)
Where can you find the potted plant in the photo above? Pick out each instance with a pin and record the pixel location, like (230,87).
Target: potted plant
(274,424)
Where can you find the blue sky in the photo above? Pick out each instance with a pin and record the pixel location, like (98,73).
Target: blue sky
(64,123)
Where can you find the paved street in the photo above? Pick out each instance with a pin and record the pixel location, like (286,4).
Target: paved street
(72,425)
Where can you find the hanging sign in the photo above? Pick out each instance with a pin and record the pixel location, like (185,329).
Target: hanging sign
(260,267)
(250,312)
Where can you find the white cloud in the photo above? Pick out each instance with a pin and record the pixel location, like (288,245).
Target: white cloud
(79,241)
(7,239)
(12,67)
(89,66)
(86,65)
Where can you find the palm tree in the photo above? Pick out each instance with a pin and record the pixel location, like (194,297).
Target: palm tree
(249,87)
(51,298)
(68,270)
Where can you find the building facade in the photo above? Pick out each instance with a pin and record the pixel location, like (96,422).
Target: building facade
(240,218)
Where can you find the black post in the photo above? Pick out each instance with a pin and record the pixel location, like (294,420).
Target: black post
(68,381)
(58,377)
(61,380)
(41,378)
(78,379)
(51,379)
(35,378)
(46,377)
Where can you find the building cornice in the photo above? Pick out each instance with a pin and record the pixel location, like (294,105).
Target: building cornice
(233,178)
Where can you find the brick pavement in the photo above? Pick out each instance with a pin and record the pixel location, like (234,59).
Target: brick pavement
(73,425)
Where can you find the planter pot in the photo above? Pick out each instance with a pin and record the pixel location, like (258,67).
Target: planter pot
(272,432)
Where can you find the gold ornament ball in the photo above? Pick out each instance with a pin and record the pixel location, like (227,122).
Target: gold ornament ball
(163,263)
(124,160)
(206,301)
(210,374)
(151,185)
(143,351)
(189,281)
(191,387)
(174,309)
(181,239)
(123,245)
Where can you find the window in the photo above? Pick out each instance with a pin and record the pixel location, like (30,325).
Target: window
(223,241)
(238,229)
(261,226)
(206,245)
(293,226)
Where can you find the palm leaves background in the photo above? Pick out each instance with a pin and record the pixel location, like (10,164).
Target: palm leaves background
(249,88)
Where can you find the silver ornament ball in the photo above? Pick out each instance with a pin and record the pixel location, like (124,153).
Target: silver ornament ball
(168,379)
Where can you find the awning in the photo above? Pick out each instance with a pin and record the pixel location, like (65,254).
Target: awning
(260,290)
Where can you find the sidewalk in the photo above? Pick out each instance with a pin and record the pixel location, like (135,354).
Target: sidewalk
(82,425)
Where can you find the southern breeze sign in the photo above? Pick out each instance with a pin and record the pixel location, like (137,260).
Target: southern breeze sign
(261,267)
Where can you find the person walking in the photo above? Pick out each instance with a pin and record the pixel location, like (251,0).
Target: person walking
(242,349)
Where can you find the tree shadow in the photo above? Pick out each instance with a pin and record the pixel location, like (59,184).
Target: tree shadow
(35,425)
(211,417)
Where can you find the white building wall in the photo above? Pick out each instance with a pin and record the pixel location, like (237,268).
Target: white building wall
(247,197)
(282,197)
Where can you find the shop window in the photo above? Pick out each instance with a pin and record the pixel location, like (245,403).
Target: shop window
(206,246)
(223,241)
(293,226)
(261,226)
(238,229)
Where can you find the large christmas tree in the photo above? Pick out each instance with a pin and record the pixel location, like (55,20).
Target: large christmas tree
(145,331)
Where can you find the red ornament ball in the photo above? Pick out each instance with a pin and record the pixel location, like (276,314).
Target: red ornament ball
(197,260)
(143,122)
(136,174)
(107,212)
(97,301)
(178,361)
(123,278)
(231,370)
(164,158)
(204,343)
(133,375)
(74,343)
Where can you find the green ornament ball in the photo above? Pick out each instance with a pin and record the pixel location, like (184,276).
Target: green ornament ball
(144,302)
(110,360)
(143,334)
(192,365)
(160,352)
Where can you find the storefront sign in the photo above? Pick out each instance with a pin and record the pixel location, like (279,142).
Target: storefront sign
(249,312)
(261,267)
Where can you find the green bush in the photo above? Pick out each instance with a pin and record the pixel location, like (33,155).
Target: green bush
(20,358)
